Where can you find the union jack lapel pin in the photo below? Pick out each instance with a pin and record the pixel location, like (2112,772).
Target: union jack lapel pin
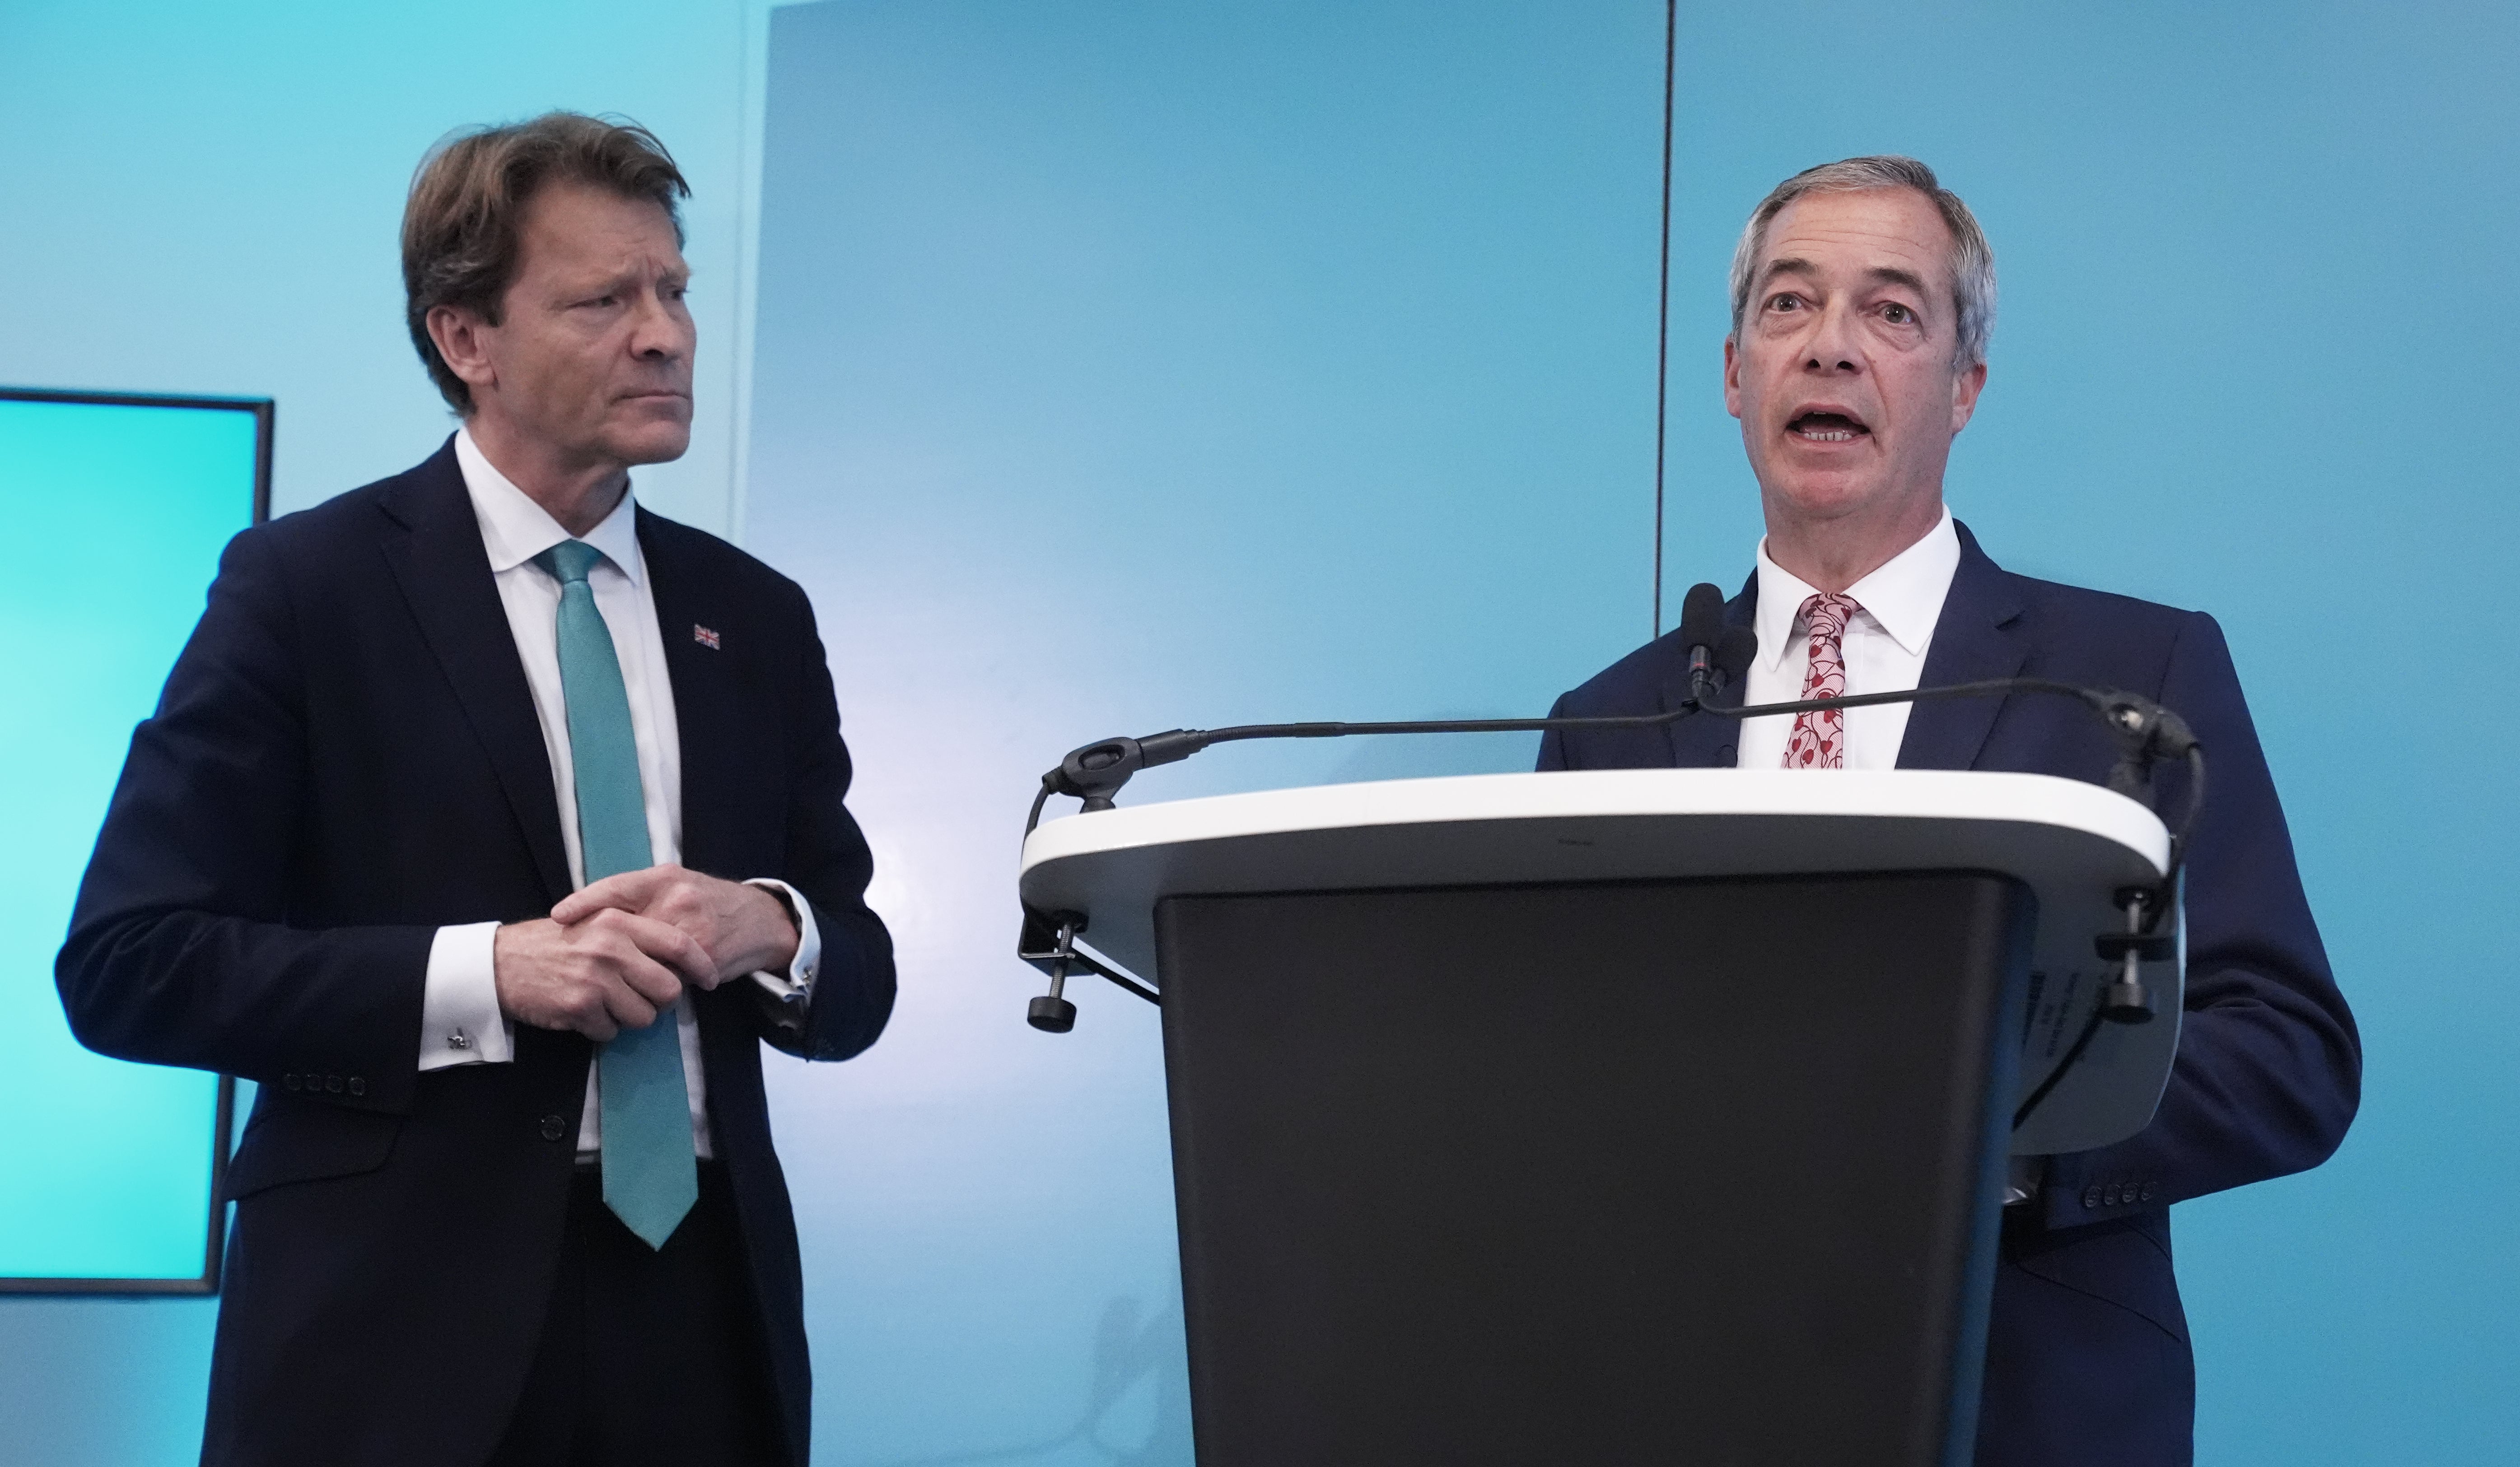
(704,637)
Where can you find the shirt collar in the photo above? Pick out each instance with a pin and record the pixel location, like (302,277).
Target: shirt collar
(1904,596)
(515,529)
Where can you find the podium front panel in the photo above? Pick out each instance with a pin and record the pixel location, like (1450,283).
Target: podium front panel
(1700,1171)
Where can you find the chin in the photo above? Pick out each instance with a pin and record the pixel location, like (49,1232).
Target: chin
(659,443)
(1827,496)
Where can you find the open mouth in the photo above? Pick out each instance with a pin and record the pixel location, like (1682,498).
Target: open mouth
(1828,428)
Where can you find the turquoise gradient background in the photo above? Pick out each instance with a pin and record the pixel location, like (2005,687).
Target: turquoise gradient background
(1124,365)
(116,516)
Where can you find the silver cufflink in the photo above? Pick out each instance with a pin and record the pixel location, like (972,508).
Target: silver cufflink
(457,1041)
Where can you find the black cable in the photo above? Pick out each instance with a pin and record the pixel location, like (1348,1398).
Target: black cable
(2187,818)
(1033,820)
(2153,912)
(1662,335)
(1206,737)
(2081,1041)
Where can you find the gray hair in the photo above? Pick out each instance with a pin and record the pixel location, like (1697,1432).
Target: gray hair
(1972,259)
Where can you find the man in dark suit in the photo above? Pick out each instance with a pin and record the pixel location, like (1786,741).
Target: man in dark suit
(491,824)
(1863,296)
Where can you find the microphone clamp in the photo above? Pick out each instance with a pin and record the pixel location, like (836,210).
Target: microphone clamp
(2146,732)
(1094,773)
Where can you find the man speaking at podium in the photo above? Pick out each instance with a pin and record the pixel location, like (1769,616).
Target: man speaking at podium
(491,824)
(1862,298)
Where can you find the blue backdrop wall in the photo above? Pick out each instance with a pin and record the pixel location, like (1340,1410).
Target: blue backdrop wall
(1132,365)
(1124,365)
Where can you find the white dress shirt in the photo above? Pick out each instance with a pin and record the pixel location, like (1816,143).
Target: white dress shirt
(1884,648)
(460,1019)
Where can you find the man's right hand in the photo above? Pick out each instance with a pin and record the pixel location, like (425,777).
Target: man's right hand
(613,971)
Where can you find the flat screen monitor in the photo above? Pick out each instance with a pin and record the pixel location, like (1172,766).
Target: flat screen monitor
(115,508)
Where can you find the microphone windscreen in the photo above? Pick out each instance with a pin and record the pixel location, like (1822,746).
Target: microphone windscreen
(1702,616)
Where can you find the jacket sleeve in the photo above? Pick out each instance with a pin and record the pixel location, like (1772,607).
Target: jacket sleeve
(1552,742)
(181,949)
(2269,1072)
(827,858)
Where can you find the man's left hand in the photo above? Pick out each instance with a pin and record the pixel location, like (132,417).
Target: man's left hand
(743,928)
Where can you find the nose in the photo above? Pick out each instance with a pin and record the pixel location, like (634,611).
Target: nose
(662,329)
(1832,348)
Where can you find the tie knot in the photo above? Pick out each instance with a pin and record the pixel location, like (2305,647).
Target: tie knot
(1827,613)
(570,561)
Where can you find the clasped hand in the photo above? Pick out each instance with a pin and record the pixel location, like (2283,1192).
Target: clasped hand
(616,953)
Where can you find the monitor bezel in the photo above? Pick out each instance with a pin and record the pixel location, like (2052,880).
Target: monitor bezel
(264,412)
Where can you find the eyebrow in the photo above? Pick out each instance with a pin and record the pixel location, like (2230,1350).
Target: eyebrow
(621,279)
(1787,266)
(1887,275)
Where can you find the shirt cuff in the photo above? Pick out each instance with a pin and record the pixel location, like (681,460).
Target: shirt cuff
(2021,1179)
(797,985)
(459,1006)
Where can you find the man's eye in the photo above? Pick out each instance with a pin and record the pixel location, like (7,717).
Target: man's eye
(1784,301)
(1898,315)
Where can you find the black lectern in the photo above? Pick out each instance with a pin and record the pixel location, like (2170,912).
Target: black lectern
(1626,1117)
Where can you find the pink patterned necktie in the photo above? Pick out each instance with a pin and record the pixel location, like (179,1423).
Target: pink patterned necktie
(1819,739)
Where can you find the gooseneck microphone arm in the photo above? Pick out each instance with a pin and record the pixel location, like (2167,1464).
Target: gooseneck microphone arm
(2144,731)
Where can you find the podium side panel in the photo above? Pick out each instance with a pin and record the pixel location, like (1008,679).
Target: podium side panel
(1636,1173)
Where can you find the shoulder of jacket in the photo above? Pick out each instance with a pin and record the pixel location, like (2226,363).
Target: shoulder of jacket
(2082,608)
(353,512)
(695,550)
(1632,684)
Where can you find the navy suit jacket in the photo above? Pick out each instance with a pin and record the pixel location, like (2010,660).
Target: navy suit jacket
(344,759)
(2088,1358)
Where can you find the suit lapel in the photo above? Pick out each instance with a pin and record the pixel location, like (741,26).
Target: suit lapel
(1978,636)
(1699,741)
(705,696)
(438,559)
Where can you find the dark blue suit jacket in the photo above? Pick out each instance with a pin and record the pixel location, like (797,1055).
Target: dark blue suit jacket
(344,759)
(2088,1358)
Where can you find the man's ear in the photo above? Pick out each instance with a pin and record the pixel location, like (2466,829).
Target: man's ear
(1964,390)
(1733,376)
(463,339)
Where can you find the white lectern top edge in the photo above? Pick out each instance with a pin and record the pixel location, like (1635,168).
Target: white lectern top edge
(2074,844)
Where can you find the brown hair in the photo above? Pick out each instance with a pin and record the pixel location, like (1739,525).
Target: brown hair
(463,225)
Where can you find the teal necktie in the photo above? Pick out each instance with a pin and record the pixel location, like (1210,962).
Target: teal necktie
(650,1180)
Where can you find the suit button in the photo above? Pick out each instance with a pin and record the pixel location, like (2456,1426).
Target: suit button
(2092,1195)
(2148,1188)
(332,1083)
(2112,1196)
(292,1081)
(358,1084)
(553,1126)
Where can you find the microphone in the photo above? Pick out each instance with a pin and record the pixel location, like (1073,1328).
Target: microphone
(1717,654)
